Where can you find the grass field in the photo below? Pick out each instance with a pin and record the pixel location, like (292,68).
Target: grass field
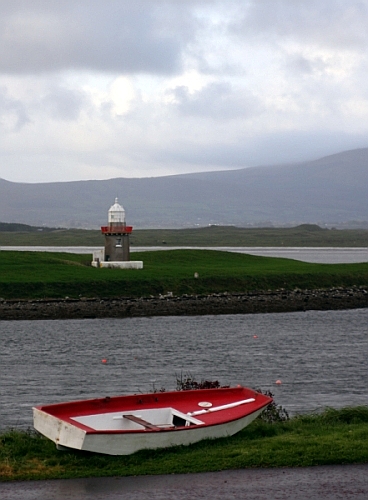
(57,275)
(334,437)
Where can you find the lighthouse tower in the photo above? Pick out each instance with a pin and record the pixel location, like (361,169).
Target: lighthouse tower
(117,249)
(116,235)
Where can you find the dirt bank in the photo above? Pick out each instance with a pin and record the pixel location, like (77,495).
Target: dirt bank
(241,303)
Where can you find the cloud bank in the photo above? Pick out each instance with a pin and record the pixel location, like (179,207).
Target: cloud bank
(130,88)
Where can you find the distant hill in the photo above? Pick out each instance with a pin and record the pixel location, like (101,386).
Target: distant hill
(331,190)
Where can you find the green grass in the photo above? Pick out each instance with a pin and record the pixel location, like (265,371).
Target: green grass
(334,437)
(27,275)
(307,235)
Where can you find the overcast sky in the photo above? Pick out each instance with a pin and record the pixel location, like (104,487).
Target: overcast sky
(97,89)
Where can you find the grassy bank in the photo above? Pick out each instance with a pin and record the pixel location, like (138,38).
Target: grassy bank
(30,275)
(334,437)
(306,235)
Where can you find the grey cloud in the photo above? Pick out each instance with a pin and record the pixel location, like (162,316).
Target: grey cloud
(114,36)
(64,103)
(300,64)
(268,149)
(14,108)
(217,101)
(333,23)
(298,145)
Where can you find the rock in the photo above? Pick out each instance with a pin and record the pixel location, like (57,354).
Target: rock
(224,303)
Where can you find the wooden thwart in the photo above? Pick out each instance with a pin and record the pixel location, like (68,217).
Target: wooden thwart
(142,422)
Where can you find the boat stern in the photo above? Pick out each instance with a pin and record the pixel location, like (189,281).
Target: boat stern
(63,434)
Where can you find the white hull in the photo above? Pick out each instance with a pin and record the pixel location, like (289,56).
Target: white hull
(67,435)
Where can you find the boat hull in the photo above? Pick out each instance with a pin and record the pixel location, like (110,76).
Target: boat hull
(88,427)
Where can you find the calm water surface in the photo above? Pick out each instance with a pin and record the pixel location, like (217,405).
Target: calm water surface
(320,357)
(321,255)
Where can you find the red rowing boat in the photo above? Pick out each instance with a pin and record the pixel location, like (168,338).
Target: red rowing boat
(122,425)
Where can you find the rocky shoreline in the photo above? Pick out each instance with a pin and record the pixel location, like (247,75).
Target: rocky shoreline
(186,305)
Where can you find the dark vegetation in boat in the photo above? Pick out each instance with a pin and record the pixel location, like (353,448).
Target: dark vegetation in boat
(271,414)
(187,382)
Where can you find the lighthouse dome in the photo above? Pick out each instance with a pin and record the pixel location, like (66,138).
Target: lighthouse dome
(116,214)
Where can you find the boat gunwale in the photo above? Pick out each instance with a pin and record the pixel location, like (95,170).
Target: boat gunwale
(101,407)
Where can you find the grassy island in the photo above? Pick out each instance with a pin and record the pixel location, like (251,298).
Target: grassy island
(40,275)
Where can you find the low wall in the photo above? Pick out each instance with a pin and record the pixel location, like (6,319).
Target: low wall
(222,303)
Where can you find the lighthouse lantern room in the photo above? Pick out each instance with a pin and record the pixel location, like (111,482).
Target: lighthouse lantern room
(116,235)
(117,247)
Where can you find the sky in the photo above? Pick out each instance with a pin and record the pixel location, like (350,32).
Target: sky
(93,89)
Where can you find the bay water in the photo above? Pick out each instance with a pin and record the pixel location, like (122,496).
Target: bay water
(320,255)
(320,357)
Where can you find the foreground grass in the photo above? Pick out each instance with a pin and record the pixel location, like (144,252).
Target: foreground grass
(334,437)
(37,275)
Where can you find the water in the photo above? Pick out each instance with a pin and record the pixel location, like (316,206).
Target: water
(320,357)
(321,255)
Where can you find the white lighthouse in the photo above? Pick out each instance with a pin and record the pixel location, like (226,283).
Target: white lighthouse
(116,235)
(117,247)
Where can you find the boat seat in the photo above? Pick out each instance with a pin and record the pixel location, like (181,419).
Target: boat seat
(144,423)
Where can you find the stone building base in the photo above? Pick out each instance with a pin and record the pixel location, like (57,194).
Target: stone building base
(131,264)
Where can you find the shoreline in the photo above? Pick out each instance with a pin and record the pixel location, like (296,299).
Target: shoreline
(336,298)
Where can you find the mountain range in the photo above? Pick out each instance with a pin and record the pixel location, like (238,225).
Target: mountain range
(328,191)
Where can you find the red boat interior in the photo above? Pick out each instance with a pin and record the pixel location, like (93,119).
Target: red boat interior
(159,411)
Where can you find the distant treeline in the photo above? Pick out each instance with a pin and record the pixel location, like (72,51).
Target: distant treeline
(13,227)
(305,235)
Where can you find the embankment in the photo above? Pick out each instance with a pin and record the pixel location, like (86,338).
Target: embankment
(224,303)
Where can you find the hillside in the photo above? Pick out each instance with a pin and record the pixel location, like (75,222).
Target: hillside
(330,190)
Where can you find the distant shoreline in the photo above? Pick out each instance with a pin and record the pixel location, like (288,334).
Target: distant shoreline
(186,305)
